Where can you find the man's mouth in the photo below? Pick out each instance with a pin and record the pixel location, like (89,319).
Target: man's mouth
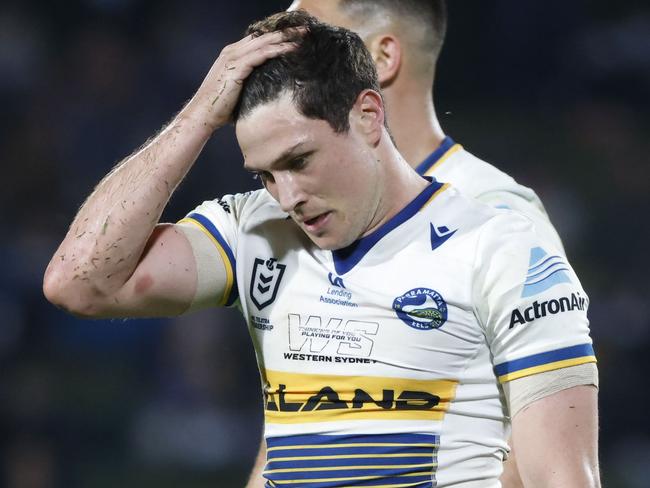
(315,224)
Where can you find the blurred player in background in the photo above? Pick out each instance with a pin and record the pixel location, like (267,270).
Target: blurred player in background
(405,38)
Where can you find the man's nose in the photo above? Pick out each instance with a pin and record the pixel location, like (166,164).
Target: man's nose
(290,194)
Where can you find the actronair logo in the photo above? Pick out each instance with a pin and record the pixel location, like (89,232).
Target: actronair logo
(544,272)
(550,307)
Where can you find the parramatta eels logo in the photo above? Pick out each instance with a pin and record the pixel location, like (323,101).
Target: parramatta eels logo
(421,308)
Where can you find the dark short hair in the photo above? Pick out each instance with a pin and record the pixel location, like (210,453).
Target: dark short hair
(324,75)
(429,15)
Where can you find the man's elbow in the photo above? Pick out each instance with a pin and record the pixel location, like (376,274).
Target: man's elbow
(65,293)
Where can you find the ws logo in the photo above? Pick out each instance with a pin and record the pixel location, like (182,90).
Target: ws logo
(349,338)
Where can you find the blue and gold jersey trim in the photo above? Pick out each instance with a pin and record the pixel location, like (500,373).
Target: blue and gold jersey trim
(347,258)
(545,361)
(334,461)
(230,294)
(437,157)
(441,189)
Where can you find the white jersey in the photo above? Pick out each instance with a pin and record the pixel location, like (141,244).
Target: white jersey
(482,181)
(381,362)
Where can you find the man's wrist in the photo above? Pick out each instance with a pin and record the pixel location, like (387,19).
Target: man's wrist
(199,114)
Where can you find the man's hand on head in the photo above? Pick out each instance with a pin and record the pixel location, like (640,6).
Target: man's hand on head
(214,102)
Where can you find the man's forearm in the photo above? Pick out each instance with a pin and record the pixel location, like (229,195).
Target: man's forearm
(109,233)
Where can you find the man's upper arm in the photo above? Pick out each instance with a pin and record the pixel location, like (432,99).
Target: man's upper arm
(184,266)
(556,439)
(164,282)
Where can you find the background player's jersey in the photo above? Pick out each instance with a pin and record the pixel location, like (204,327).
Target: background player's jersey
(480,180)
(381,362)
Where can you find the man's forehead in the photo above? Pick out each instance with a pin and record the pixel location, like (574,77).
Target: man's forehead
(266,116)
(275,131)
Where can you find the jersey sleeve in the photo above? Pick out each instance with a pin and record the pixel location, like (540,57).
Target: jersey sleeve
(219,220)
(529,301)
(531,207)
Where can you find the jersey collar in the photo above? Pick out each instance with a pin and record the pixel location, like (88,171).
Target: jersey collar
(347,258)
(433,158)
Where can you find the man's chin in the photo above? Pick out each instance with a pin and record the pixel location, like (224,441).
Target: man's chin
(329,243)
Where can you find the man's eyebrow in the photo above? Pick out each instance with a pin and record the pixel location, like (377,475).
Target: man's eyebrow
(288,154)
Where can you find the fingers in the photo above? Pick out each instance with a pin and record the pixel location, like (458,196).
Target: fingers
(239,59)
(250,43)
(242,67)
(221,88)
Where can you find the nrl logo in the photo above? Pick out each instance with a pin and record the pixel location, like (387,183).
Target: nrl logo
(265,281)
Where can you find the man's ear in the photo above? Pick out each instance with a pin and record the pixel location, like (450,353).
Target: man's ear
(368,115)
(386,52)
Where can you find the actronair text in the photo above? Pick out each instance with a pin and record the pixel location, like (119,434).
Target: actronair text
(550,307)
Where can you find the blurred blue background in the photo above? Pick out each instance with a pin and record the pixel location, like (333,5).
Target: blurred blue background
(556,93)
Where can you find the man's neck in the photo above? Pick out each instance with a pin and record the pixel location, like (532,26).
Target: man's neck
(398,185)
(413,122)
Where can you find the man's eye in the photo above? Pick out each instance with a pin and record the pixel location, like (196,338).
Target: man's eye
(299,163)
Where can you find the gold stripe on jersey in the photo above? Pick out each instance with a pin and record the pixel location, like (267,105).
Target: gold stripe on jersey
(363,466)
(293,398)
(357,444)
(435,194)
(353,478)
(547,367)
(443,158)
(351,456)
